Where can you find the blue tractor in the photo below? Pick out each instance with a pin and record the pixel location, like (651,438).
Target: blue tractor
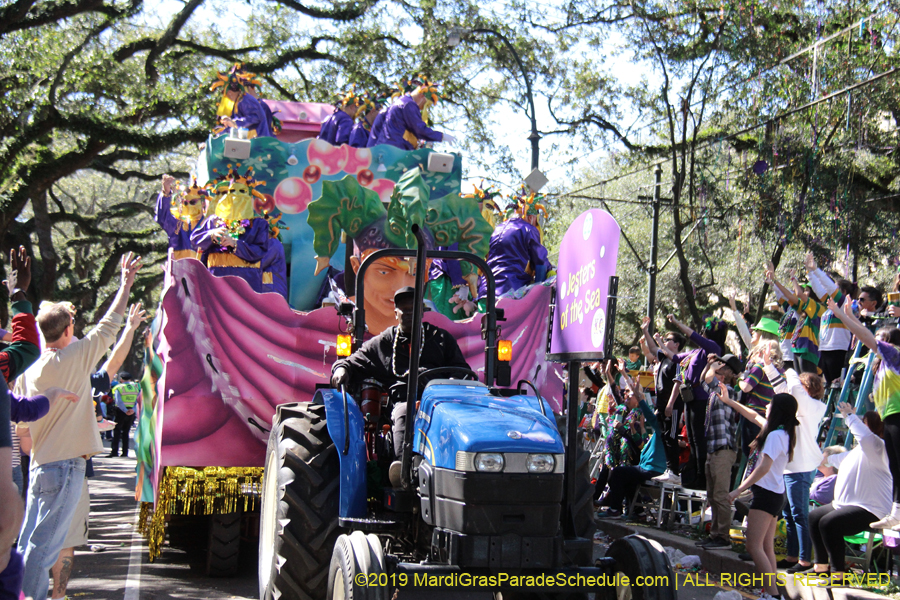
(488,489)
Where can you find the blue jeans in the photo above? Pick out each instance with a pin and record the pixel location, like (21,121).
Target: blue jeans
(53,492)
(796,514)
(18,480)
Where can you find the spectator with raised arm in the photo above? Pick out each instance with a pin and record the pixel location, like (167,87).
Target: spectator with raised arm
(774,449)
(834,337)
(68,435)
(886,395)
(690,390)
(805,339)
(862,491)
(663,350)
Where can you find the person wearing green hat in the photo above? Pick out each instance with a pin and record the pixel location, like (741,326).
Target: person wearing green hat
(766,329)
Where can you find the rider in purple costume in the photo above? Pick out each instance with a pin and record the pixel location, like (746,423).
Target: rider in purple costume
(238,107)
(404,126)
(189,209)
(337,127)
(231,240)
(368,114)
(516,246)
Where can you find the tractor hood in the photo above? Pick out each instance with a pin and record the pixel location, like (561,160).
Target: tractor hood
(456,419)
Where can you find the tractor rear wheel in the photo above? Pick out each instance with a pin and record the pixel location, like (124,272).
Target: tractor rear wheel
(299,524)
(224,544)
(583,508)
(636,556)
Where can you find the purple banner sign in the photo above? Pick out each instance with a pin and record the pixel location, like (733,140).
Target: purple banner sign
(587,259)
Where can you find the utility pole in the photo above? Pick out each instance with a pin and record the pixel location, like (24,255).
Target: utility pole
(654,249)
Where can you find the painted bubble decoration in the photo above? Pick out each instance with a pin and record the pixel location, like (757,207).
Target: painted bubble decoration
(293,195)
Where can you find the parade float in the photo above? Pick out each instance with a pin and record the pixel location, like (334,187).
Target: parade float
(222,356)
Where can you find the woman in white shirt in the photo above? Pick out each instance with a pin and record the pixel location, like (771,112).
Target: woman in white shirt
(775,447)
(863,491)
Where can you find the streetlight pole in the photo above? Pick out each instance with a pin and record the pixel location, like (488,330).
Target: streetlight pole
(454,39)
(654,248)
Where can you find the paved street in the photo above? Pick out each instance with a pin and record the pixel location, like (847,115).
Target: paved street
(121,570)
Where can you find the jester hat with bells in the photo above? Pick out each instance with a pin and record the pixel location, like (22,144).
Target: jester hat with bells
(237,202)
(347,206)
(235,78)
(191,214)
(486,197)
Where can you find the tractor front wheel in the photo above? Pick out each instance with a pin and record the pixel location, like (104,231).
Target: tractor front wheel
(357,569)
(301,496)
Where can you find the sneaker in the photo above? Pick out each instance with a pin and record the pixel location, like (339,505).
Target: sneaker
(610,513)
(668,477)
(889,522)
(714,543)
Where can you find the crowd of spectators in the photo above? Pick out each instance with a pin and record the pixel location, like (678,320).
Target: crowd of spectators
(749,431)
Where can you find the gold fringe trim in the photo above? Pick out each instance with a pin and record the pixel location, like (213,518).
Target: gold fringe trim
(227,259)
(207,491)
(179,254)
(144,517)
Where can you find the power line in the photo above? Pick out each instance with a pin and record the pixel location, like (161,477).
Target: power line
(710,142)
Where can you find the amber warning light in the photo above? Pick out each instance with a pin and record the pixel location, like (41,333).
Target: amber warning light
(343,345)
(504,350)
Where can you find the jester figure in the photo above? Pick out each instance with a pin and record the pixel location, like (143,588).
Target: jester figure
(180,217)
(404,123)
(451,294)
(238,107)
(347,206)
(517,257)
(367,115)
(231,240)
(337,127)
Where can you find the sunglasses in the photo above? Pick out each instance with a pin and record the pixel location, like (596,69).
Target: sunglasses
(190,202)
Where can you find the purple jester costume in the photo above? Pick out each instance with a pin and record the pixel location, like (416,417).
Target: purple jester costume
(180,217)
(404,124)
(231,240)
(517,257)
(239,105)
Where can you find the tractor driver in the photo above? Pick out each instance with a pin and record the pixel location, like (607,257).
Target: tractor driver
(385,358)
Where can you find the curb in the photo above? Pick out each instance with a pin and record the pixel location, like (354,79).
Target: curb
(726,561)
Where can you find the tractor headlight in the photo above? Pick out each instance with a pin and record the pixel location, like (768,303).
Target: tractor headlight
(540,463)
(489,462)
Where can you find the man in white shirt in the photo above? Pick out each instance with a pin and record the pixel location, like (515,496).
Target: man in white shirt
(68,434)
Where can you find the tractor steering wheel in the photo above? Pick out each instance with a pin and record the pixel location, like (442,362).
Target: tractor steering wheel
(468,373)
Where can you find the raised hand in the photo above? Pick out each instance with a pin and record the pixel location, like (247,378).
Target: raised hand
(731,303)
(136,316)
(131,264)
(810,262)
(19,271)
(167,182)
(845,409)
(645,323)
(832,305)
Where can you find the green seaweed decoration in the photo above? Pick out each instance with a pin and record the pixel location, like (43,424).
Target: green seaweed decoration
(345,206)
(408,207)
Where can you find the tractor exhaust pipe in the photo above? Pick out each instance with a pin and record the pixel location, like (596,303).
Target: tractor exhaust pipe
(412,385)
